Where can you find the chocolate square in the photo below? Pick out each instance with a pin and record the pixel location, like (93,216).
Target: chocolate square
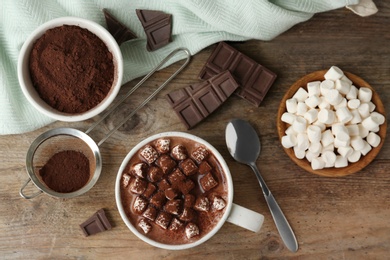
(98,222)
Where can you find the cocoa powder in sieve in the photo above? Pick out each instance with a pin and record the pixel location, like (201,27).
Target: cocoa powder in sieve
(66,171)
(71,69)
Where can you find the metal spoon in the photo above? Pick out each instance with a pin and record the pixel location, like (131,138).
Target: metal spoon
(244,145)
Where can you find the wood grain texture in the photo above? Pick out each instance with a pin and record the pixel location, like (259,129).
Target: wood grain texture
(333,218)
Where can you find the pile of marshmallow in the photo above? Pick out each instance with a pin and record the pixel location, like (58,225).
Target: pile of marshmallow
(332,123)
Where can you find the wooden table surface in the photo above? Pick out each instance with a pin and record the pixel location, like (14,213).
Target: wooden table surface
(333,218)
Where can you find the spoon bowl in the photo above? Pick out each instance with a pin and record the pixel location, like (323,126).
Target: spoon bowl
(244,145)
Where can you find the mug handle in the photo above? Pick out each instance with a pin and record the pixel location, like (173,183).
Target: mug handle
(245,218)
(31,196)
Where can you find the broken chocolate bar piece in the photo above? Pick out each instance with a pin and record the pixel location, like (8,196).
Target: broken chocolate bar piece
(254,79)
(118,30)
(157,27)
(195,102)
(98,222)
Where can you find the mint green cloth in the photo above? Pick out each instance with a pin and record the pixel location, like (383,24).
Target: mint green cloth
(196,25)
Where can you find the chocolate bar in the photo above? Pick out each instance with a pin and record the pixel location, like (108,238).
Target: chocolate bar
(98,222)
(118,30)
(195,102)
(157,26)
(253,78)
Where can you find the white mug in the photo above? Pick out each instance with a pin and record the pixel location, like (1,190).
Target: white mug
(234,213)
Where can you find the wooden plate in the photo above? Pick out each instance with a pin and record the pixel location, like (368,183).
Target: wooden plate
(352,167)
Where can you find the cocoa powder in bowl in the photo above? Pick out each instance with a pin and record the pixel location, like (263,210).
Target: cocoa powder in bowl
(71,68)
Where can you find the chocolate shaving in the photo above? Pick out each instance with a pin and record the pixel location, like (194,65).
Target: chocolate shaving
(118,30)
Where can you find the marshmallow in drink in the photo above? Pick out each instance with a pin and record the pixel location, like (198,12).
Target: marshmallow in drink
(311,115)
(367,148)
(289,141)
(356,118)
(288,118)
(340,162)
(313,101)
(371,123)
(363,132)
(353,130)
(327,138)
(352,93)
(325,86)
(345,151)
(357,143)
(313,88)
(364,110)
(291,105)
(302,142)
(353,103)
(333,97)
(334,73)
(342,86)
(354,157)
(365,94)
(344,115)
(301,95)
(314,133)
(326,116)
(378,117)
(373,139)
(301,108)
(317,163)
(300,154)
(299,124)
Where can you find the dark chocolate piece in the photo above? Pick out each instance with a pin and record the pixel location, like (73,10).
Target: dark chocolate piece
(98,222)
(118,30)
(157,26)
(195,102)
(253,78)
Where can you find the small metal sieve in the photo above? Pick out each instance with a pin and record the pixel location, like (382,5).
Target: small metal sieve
(62,139)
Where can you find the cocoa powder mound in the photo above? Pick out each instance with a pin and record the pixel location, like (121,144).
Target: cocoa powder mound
(66,171)
(71,69)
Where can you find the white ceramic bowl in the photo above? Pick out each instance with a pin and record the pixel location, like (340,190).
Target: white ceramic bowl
(224,166)
(24,74)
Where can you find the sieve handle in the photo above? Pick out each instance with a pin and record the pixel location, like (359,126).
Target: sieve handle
(162,63)
(31,196)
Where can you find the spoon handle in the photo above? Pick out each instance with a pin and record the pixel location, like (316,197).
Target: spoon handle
(285,231)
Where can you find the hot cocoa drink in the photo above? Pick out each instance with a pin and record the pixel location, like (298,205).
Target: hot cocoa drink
(174,190)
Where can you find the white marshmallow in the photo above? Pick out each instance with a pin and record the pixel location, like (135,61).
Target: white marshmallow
(345,151)
(326,116)
(288,118)
(339,127)
(328,148)
(334,73)
(345,78)
(341,162)
(376,129)
(289,141)
(356,118)
(323,104)
(343,103)
(364,110)
(353,130)
(329,158)
(315,147)
(370,123)
(309,155)
(353,103)
(357,143)
(327,138)
(290,131)
(367,148)
(365,94)
(371,106)
(313,101)
(291,105)
(353,92)
(333,97)
(378,117)
(299,124)
(322,126)
(344,115)
(311,115)
(302,142)
(313,88)
(301,108)
(373,139)
(300,154)
(317,163)
(354,157)
(301,95)
(342,86)
(314,133)
(342,139)
(363,132)
(325,86)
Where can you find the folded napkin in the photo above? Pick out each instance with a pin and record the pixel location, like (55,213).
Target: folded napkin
(196,25)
